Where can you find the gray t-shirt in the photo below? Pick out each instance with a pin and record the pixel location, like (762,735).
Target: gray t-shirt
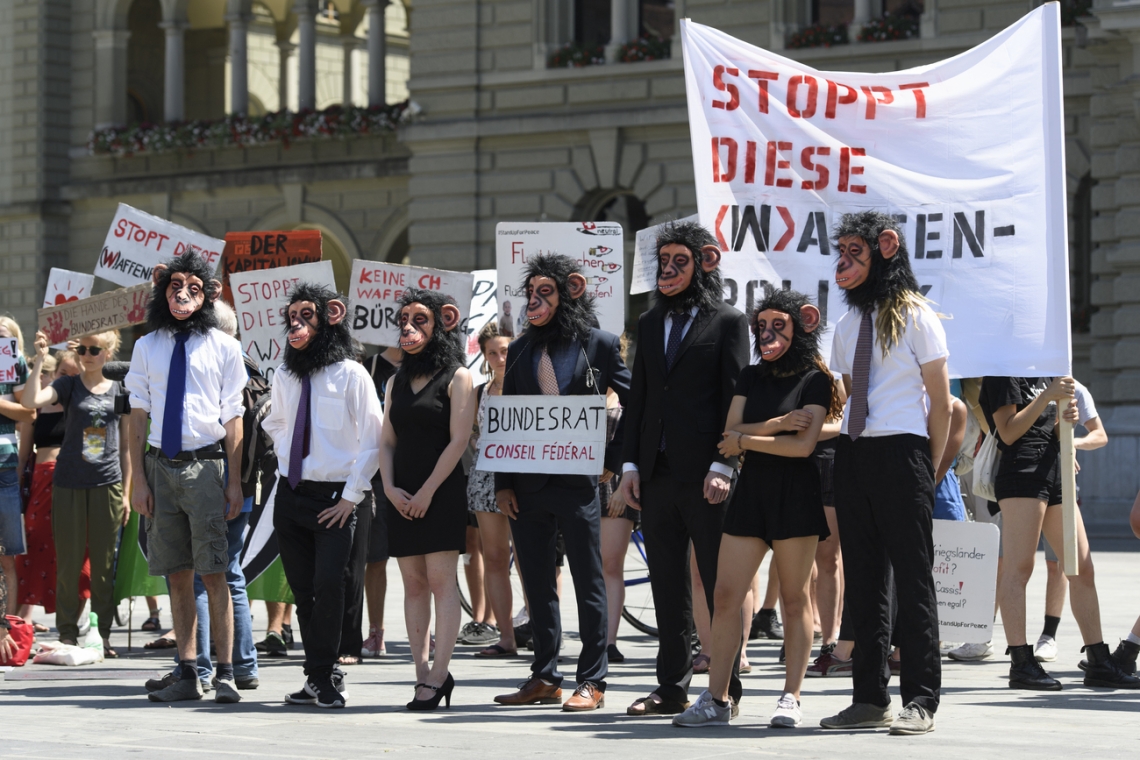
(89,456)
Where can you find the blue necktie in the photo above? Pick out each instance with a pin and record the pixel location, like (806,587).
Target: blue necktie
(680,319)
(175,398)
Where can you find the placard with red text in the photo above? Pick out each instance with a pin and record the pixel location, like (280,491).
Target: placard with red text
(375,292)
(138,240)
(557,435)
(9,360)
(967,153)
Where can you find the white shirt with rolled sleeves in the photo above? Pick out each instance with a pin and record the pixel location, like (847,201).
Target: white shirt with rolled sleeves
(215,377)
(345,422)
(896,395)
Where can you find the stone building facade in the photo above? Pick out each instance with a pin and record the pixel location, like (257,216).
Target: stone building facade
(502,136)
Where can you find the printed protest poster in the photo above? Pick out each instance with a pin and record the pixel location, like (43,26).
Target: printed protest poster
(966,153)
(484,309)
(260,297)
(557,435)
(249,251)
(9,360)
(644,276)
(965,579)
(376,288)
(138,240)
(107,311)
(596,246)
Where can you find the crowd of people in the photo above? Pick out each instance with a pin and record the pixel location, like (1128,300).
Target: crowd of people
(729,438)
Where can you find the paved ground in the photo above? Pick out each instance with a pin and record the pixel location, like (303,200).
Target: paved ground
(980,716)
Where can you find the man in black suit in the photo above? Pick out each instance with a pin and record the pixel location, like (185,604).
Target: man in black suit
(691,348)
(561,353)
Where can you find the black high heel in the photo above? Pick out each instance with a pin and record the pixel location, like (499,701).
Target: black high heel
(442,692)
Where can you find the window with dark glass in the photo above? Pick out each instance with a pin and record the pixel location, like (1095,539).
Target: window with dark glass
(658,17)
(592,22)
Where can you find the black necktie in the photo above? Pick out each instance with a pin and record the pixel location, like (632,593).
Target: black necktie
(676,332)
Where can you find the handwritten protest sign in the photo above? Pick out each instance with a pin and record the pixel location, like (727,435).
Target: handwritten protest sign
(376,290)
(644,276)
(597,247)
(484,309)
(967,153)
(260,297)
(965,579)
(9,360)
(550,434)
(137,241)
(249,251)
(64,286)
(87,316)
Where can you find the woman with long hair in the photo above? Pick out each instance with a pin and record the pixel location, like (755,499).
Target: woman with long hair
(15,448)
(775,418)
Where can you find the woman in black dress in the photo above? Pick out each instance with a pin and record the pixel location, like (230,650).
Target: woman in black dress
(429,411)
(776,415)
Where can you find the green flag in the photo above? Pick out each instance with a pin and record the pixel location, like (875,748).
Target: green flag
(132,578)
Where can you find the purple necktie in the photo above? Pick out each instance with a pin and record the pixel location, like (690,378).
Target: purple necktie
(299,448)
(861,377)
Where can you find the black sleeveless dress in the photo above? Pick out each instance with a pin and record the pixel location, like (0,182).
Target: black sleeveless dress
(422,422)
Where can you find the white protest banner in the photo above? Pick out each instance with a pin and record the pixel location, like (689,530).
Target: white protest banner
(965,579)
(596,246)
(9,360)
(967,153)
(64,286)
(376,288)
(644,276)
(557,435)
(484,309)
(137,241)
(260,297)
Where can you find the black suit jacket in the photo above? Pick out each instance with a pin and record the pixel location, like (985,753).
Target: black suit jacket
(690,402)
(603,350)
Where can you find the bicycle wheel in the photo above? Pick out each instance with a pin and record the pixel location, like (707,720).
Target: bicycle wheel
(461,584)
(638,610)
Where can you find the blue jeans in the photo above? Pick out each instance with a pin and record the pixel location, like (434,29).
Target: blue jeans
(245,656)
(11,514)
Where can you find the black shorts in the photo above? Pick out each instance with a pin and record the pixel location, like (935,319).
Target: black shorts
(378,534)
(1030,474)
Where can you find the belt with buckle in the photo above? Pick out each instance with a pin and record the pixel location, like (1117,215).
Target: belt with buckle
(212,451)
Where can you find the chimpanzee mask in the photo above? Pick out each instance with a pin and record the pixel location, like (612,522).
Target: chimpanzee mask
(558,309)
(428,335)
(316,334)
(687,268)
(785,336)
(183,297)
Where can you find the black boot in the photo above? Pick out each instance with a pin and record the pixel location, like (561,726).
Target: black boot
(1103,669)
(1125,656)
(766,625)
(1026,673)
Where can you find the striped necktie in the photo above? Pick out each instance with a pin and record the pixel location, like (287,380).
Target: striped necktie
(547,380)
(861,377)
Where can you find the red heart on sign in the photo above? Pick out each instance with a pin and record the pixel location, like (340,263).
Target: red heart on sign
(61,298)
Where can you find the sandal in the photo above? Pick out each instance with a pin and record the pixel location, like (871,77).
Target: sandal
(348,659)
(40,628)
(152,623)
(108,652)
(497,651)
(162,642)
(701,663)
(651,707)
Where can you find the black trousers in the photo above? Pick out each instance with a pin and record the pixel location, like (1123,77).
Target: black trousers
(315,558)
(884,501)
(351,636)
(673,513)
(578,514)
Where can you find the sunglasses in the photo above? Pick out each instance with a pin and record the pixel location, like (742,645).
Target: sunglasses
(84,350)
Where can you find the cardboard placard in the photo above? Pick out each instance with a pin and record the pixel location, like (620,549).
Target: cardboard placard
(115,310)
(260,299)
(9,359)
(376,288)
(557,435)
(598,247)
(267,249)
(965,579)
(484,308)
(138,240)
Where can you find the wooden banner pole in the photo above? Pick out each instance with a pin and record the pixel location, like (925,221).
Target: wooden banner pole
(1068,495)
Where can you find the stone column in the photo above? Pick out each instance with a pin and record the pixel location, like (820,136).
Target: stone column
(173,98)
(862,16)
(239,64)
(377,50)
(619,28)
(306,55)
(110,77)
(350,44)
(285,51)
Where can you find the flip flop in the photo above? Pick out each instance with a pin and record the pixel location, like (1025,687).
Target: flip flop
(40,628)
(161,642)
(108,652)
(701,663)
(497,651)
(650,707)
(348,659)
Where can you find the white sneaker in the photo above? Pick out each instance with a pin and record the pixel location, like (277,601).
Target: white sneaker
(787,713)
(946,646)
(1046,649)
(971,652)
(704,712)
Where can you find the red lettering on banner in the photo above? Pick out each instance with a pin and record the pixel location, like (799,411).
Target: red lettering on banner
(821,172)
(772,165)
(729,172)
(732,90)
(846,170)
(763,78)
(834,98)
(716,227)
(919,97)
(812,95)
(749,161)
(871,99)
(791,225)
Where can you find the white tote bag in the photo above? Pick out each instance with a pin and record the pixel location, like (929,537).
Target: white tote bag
(985,468)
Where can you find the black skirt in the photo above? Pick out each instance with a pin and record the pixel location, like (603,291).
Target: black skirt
(777,498)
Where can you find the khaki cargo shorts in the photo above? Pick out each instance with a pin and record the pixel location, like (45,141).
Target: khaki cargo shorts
(188,530)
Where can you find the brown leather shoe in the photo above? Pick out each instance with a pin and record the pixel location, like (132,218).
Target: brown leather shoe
(586,697)
(532,692)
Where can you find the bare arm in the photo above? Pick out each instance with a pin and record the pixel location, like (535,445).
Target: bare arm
(954,442)
(36,397)
(800,445)
(1097,436)
(1012,424)
(125,465)
(233,439)
(24,433)
(936,378)
(462,416)
(14,410)
(141,498)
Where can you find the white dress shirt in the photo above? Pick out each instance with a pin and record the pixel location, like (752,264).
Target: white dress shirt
(896,394)
(723,469)
(215,377)
(345,422)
